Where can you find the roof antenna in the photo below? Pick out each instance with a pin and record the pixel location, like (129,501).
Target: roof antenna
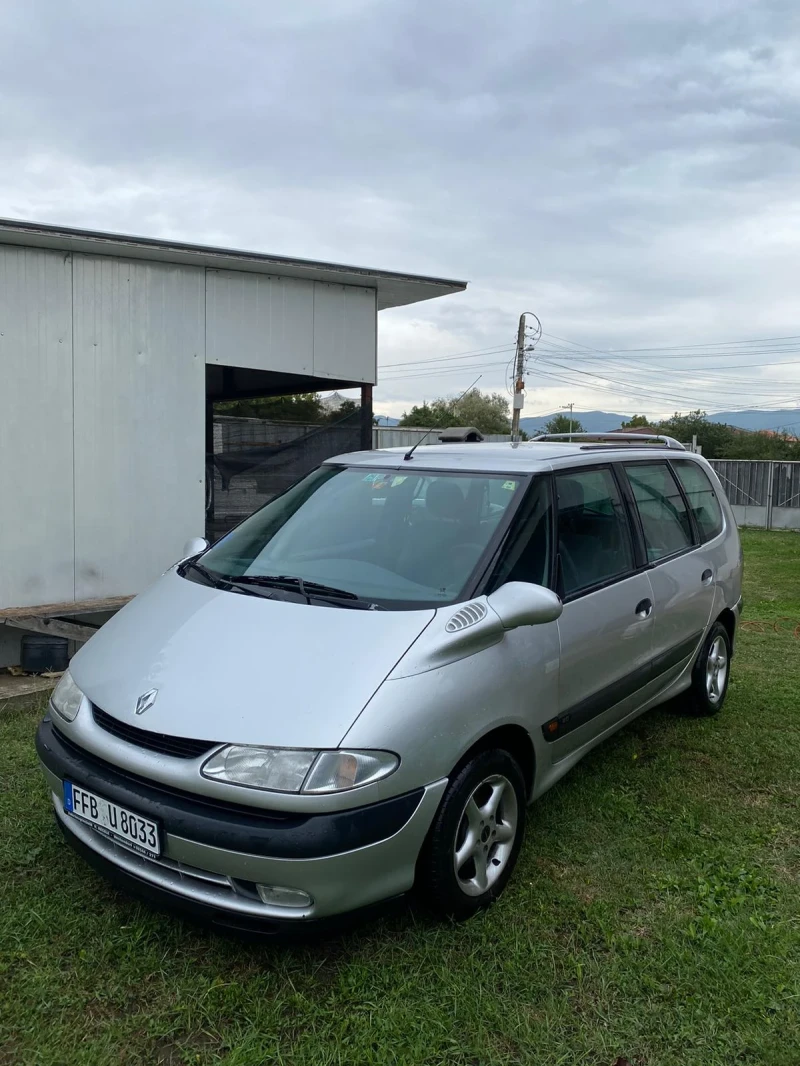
(410,453)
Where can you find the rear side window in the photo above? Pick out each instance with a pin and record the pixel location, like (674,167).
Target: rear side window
(665,518)
(594,540)
(702,498)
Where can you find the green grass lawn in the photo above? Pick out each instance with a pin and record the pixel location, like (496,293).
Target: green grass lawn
(654,915)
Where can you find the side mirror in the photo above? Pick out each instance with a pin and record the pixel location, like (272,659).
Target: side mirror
(193,546)
(521,604)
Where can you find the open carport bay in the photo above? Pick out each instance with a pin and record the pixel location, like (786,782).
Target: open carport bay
(114,350)
(653,915)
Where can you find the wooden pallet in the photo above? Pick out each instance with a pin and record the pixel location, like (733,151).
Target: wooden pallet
(54,618)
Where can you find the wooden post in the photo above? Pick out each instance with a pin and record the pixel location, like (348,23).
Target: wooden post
(366,418)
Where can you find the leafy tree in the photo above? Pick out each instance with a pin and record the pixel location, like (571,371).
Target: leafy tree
(437,414)
(486,412)
(637,422)
(563,424)
(304,407)
(301,407)
(346,407)
(714,437)
(763,445)
(720,441)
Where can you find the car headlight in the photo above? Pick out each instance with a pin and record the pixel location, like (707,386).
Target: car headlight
(335,771)
(287,770)
(67,697)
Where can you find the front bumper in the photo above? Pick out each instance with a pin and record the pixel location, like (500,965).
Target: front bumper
(214,854)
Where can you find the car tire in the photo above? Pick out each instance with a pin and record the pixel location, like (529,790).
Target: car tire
(711,673)
(474,842)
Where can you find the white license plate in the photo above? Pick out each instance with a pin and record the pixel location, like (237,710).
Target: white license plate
(117,823)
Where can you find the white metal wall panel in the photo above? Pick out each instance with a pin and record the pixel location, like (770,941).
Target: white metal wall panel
(259,322)
(345,325)
(139,352)
(36,491)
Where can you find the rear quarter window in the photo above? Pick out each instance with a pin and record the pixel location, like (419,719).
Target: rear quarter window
(664,516)
(703,501)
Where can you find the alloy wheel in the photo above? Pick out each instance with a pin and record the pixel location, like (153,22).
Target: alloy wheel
(716,670)
(486,833)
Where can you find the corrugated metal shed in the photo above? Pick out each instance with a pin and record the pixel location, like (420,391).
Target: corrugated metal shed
(110,346)
(36,428)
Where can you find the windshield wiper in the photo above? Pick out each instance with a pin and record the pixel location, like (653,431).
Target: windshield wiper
(219,581)
(250,582)
(215,581)
(306,588)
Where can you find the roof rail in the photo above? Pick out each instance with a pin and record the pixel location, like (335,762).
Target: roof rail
(614,438)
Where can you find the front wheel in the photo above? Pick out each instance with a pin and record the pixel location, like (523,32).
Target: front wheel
(711,673)
(474,841)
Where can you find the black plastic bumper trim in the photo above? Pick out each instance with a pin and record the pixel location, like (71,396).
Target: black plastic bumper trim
(278,835)
(217,918)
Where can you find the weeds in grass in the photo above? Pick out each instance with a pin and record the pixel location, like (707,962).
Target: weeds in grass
(652,920)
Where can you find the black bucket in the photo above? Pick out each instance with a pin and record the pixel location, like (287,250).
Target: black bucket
(42,653)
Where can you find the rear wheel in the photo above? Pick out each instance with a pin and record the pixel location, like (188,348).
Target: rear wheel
(711,673)
(474,841)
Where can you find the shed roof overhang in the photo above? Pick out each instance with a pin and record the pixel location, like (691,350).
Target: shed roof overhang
(393,289)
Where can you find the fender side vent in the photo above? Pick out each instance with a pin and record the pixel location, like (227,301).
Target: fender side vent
(466,617)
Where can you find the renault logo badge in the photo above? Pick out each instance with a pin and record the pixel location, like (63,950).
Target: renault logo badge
(146,701)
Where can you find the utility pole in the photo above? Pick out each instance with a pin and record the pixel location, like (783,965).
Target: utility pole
(519,384)
(570,406)
(519,369)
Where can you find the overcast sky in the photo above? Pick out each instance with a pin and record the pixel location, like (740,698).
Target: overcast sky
(627,170)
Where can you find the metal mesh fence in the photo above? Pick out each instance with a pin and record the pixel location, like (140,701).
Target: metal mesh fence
(254,460)
(762,492)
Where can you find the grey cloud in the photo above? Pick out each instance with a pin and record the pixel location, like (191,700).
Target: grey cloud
(583,157)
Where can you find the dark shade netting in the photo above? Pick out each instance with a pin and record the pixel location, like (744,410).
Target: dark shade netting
(255,460)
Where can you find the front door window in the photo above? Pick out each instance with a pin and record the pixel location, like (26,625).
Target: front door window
(594,540)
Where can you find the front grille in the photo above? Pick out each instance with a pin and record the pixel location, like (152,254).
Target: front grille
(179,747)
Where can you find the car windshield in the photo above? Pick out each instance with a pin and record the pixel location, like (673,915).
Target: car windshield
(400,540)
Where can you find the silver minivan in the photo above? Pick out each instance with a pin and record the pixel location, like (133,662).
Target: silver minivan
(359,690)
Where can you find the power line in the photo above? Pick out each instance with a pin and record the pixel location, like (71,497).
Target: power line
(685,386)
(426,373)
(458,355)
(678,347)
(641,388)
(745,346)
(639,393)
(690,388)
(684,393)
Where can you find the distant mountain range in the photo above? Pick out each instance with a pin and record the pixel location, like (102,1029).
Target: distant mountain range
(603,421)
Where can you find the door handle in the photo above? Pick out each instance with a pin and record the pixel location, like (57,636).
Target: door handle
(706,576)
(644,608)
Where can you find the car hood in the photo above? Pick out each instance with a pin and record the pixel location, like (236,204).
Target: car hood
(239,668)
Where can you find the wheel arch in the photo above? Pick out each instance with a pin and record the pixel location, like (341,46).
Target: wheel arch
(514,739)
(728,619)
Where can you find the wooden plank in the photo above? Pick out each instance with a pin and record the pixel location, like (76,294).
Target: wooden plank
(11,687)
(56,610)
(56,627)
